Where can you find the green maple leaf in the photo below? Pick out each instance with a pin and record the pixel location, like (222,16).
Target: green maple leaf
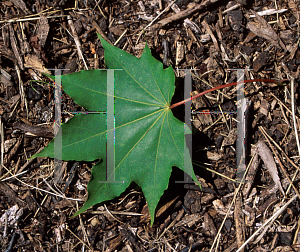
(149,140)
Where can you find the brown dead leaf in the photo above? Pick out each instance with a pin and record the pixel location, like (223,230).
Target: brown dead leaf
(42,30)
(264,29)
(266,155)
(21,5)
(32,61)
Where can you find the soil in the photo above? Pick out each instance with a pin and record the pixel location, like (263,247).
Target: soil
(219,41)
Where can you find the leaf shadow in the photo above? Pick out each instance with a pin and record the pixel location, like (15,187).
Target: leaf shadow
(200,140)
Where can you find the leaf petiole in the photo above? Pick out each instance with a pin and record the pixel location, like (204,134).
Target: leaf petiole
(278,82)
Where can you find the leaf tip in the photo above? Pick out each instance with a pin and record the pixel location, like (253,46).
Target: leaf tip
(80,211)
(103,41)
(32,157)
(75,214)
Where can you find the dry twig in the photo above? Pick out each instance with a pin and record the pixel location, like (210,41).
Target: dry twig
(183,14)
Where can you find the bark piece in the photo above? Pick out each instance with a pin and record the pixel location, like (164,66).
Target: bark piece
(115,244)
(7,53)
(260,61)
(41,131)
(209,31)
(8,144)
(264,108)
(230,139)
(11,194)
(236,20)
(213,156)
(5,78)
(12,152)
(187,22)
(189,220)
(209,226)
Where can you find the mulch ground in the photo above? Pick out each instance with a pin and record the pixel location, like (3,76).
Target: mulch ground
(212,38)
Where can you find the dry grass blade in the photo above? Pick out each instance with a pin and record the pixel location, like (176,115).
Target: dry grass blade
(21,90)
(267,157)
(184,13)
(77,42)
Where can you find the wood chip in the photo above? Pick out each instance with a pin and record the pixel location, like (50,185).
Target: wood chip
(183,14)
(230,139)
(239,221)
(264,108)
(32,61)
(213,156)
(179,52)
(11,194)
